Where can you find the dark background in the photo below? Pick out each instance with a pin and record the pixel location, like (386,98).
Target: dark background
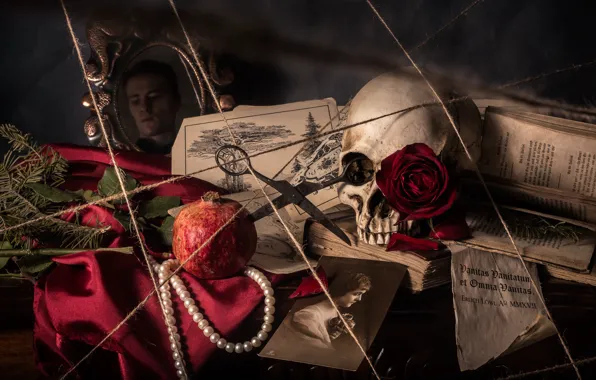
(295,50)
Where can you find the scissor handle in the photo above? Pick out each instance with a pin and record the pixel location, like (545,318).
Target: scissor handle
(232,160)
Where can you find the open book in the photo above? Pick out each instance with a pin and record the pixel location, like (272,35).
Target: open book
(544,168)
(541,162)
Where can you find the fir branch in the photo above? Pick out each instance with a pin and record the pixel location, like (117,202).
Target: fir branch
(24,164)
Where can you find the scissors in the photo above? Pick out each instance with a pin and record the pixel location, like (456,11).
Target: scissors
(235,162)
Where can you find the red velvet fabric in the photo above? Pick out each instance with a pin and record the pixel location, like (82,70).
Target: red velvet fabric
(88,294)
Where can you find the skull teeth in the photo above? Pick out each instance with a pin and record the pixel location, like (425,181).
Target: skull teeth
(382,238)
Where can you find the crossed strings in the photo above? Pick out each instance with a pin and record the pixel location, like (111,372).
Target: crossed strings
(174,179)
(275,210)
(119,172)
(480,177)
(581,111)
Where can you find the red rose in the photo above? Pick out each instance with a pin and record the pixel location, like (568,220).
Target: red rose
(416,183)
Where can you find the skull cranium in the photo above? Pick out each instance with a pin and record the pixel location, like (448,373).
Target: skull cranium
(375,140)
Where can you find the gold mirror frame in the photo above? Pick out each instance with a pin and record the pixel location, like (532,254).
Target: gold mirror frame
(115,39)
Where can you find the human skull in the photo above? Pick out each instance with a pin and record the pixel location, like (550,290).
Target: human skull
(375,140)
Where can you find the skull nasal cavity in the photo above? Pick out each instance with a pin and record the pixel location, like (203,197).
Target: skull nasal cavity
(377,205)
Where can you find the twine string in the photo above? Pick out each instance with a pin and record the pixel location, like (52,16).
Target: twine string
(481,179)
(173,179)
(576,110)
(275,210)
(141,304)
(451,22)
(119,172)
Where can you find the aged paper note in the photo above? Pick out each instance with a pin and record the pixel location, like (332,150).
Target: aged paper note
(496,307)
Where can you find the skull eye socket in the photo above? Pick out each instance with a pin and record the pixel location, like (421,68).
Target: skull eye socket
(358,169)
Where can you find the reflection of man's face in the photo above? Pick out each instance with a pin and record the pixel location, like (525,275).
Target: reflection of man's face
(152,104)
(351,297)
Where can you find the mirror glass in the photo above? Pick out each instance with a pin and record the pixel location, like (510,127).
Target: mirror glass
(154,94)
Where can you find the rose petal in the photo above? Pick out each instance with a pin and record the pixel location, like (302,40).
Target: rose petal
(309,286)
(401,242)
(453,226)
(419,149)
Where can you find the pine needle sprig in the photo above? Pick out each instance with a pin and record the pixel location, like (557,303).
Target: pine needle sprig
(27,164)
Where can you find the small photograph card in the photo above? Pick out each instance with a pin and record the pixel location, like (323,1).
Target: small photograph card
(313,333)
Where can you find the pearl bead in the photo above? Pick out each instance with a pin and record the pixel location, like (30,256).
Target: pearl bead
(172,329)
(197,317)
(221,343)
(168,310)
(180,374)
(189,302)
(170,320)
(239,348)
(261,280)
(165,295)
(247,346)
(156,267)
(214,337)
(230,347)
(176,355)
(174,337)
(207,331)
(167,301)
(184,295)
(178,364)
(176,346)
(256,342)
(179,289)
(269,309)
(268,291)
(266,327)
(193,309)
(269,301)
(203,323)
(268,318)
(262,335)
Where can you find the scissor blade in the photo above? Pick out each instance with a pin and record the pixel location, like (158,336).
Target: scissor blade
(266,210)
(336,230)
(318,215)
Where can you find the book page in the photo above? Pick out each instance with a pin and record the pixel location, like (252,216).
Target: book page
(540,199)
(529,151)
(496,307)
(536,237)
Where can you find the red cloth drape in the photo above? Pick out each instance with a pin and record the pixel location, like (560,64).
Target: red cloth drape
(88,294)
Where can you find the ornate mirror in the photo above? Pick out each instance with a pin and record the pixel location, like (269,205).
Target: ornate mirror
(146,79)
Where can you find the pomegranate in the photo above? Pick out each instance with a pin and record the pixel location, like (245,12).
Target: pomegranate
(230,249)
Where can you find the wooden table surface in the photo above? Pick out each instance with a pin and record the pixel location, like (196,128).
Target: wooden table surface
(416,340)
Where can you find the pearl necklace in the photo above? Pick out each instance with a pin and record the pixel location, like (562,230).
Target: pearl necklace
(164,270)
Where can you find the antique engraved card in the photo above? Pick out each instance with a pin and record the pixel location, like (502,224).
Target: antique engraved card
(265,132)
